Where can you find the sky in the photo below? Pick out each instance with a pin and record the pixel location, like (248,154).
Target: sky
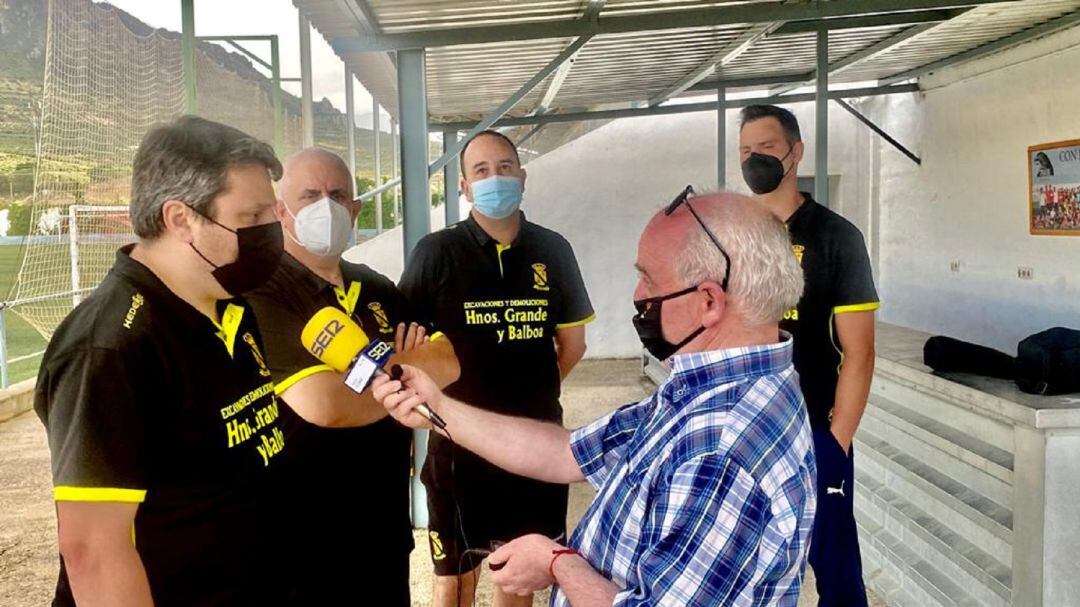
(263,17)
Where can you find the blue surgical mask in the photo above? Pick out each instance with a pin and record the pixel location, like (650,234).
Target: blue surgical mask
(497,197)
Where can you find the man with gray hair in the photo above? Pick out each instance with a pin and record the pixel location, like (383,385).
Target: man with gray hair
(158,405)
(705,490)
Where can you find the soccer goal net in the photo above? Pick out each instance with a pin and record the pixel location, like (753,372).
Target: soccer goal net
(108,80)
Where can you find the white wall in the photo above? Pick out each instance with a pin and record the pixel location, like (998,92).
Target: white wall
(968,200)
(600,190)
(385,252)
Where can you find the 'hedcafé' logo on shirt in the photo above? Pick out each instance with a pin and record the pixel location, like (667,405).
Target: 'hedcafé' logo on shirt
(540,277)
(137,301)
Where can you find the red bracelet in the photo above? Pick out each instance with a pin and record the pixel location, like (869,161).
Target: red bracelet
(555,554)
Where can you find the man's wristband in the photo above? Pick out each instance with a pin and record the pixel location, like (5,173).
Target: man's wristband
(555,554)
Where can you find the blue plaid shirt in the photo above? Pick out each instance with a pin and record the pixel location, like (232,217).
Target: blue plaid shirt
(706,489)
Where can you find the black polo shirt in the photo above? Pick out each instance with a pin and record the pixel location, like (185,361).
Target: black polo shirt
(838,280)
(146,400)
(348,488)
(500,306)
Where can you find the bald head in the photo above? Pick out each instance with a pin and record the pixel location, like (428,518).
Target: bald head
(315,169)
(309,176)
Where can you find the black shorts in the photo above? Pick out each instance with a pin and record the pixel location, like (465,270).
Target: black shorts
(494,506)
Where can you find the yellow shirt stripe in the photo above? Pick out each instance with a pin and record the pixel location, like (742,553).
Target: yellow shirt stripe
(865,307)
(583,321)
(288,382)
(64,493)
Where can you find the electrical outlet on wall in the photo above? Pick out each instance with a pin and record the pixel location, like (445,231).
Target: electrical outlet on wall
(954,265)
(1025,272)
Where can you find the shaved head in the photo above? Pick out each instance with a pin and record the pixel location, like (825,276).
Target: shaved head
(311,175)
(300,165)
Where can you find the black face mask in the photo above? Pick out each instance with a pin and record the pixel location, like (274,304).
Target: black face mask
(647,324)
(260,248)
(764,173)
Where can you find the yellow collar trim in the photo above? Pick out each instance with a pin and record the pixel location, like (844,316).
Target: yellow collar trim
(348,299)
(230,326)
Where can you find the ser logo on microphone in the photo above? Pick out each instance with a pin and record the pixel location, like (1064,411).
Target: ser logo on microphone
(379,350)
(325,336)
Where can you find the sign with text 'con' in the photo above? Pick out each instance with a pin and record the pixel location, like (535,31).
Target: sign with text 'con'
(1054,180)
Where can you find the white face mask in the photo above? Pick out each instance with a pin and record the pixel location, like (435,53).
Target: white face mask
(323,228)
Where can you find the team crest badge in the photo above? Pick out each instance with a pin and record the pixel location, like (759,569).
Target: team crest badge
(259,360)
(540,277)
(380,317)
(437,552)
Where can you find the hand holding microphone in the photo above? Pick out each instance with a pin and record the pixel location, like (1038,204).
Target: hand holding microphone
(337,341)
(406,393)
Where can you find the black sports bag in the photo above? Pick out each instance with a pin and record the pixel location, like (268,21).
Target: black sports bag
(1049,362)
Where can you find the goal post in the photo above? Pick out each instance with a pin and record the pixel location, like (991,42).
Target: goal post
(93,233)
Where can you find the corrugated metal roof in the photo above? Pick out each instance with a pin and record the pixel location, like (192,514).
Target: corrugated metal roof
(469,80)
(396,16)
(973,29)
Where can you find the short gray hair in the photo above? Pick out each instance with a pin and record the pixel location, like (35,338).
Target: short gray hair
(187,160)
(766,280)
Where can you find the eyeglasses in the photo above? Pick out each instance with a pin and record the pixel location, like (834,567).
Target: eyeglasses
(684,198)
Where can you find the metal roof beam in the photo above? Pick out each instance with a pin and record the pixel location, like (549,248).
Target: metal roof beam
(236,45)
(665,110)
(367,24)
(592,9)
(886,20)
(494,115)
(643,22)
(724,56)
(1045,29)
(591,13)
(880,131)
(710,86)
(859,56)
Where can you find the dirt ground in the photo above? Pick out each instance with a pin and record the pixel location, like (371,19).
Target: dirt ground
(28,557)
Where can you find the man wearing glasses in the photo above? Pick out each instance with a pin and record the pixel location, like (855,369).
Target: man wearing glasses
(833,327)
(705,490)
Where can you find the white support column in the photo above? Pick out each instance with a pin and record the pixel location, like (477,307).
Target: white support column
(73,251)
(451,172)
(307,113)
(821,124)
(350,126)
(415,188)
(721,138)
(376,128)
(394,170)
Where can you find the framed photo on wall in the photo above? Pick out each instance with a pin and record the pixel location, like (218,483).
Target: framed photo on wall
(1054,192)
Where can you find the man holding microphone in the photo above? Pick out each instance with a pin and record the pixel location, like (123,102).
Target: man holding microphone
(705,490)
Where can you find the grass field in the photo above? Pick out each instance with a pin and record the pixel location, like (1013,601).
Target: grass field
(22,339)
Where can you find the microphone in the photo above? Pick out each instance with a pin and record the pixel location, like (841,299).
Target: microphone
(337,341)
